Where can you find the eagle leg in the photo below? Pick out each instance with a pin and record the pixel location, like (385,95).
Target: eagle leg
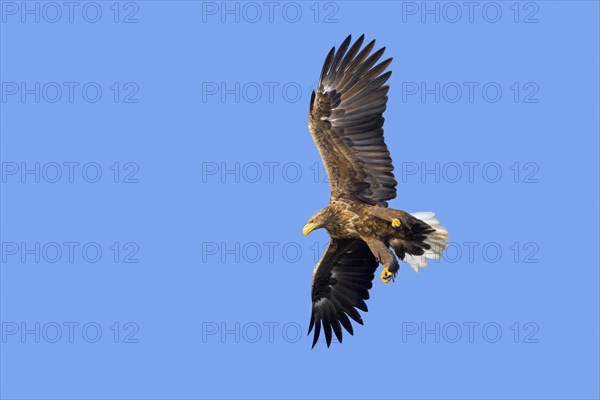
(384,256)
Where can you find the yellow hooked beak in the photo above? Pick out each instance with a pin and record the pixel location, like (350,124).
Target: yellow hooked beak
(308,228)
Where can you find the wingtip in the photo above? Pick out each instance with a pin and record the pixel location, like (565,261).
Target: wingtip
(330,54)
(360,39)
(315,340)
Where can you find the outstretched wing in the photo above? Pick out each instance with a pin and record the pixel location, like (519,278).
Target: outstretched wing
(346,123)
(341,282)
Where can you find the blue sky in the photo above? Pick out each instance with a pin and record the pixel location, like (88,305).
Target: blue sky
(157,172)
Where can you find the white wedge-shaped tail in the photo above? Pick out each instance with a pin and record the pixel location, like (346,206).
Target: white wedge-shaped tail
(436,240)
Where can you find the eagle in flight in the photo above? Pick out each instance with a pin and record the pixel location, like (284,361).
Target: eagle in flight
(345,120)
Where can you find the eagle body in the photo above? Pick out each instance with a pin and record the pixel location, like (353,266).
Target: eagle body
(346,122)
(353,219)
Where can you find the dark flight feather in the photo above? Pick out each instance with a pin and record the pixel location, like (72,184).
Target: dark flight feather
(341,283)
(346,120)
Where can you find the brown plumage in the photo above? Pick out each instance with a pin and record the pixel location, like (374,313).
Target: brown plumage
(346,123)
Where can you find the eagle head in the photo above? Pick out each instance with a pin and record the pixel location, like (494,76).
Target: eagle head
(318,220)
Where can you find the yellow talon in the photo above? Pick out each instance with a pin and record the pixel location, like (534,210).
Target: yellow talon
(386,275)
(396,223)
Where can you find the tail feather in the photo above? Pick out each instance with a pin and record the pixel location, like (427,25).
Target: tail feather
(428,241)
